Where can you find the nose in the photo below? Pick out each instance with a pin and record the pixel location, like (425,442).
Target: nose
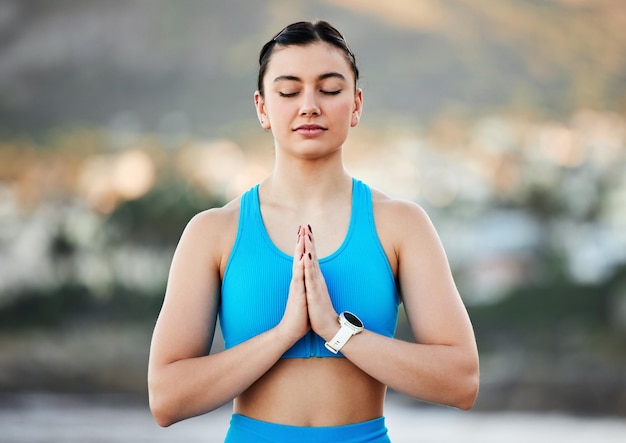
(309,106)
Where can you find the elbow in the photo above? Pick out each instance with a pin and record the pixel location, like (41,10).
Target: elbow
(467,391)
(169,407)
(161,419)
(468,395)
(160,407)
(160,412)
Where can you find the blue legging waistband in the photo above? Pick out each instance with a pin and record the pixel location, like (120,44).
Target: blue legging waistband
(248,430)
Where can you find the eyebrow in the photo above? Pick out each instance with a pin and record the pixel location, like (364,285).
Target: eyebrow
(293,78)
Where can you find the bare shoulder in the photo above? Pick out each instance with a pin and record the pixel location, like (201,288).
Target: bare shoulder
(213,231)
(398,215)
(403,228)
(216,220)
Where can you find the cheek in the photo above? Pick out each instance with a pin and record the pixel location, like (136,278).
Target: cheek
(342,111)
(279,113)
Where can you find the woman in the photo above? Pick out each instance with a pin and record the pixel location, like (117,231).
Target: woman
(306,272)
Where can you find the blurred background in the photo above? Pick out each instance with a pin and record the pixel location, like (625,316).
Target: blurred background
(504,119)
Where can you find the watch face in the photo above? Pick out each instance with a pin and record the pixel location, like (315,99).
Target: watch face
(353,319)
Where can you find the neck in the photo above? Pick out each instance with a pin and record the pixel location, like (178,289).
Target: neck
(307,182)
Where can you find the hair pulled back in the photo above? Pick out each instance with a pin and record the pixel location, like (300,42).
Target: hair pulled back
(304,33)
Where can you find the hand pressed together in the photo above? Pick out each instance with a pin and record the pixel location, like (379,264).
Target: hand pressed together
(308,303)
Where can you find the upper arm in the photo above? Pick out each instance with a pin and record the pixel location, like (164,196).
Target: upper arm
(432,302)
(187,320)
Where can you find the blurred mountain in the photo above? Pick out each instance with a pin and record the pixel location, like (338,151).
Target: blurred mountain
(157,65)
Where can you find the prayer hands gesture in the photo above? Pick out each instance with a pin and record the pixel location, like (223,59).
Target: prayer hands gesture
(308,304)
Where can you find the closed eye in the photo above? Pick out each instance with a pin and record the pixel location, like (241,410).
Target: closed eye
(323,91)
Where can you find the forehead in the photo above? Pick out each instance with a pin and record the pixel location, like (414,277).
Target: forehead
(307,61)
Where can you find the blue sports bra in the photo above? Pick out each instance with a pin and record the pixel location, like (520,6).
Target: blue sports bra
(256,280)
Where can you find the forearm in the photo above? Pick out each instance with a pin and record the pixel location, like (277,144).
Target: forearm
(443,374)
(193,386)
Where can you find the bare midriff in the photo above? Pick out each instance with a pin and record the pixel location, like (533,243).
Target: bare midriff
(313,392)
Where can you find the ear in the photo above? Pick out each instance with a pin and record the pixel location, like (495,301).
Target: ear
(259,104)
(358,108)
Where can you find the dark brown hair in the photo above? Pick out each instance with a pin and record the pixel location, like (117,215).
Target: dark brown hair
(304,33)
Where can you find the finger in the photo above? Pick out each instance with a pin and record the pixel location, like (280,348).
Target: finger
(299,250)
(297,278)
(309,242)
(309,273)
(312,274)
(312,269)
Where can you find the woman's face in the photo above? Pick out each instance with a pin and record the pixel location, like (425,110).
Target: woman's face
(309,99)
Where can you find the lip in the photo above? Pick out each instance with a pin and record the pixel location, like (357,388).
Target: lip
(310,130)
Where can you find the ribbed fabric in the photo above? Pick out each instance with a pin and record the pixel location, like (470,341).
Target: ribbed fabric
(245,430)
(257,277)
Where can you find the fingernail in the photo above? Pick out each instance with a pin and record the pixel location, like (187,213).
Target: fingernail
(302,255)
(310,237)
(311,230)
(310,258)
(299,227)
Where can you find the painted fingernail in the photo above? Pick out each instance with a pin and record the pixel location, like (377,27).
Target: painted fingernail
(310,258)
(310,237)
(299,227)
(311,230)
(302,255)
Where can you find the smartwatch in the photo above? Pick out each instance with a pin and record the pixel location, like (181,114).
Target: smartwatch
(350,325)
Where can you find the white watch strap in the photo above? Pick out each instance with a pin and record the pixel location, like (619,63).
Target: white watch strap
(341,338)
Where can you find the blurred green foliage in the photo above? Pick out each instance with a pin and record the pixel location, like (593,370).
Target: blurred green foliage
(549,315)
(70,305)
(159,216)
